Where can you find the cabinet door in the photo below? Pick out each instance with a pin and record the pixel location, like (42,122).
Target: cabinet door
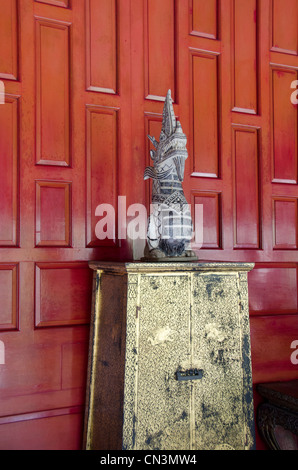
(222,399)
(157,406)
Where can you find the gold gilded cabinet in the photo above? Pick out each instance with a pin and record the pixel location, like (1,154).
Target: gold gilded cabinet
(169,360)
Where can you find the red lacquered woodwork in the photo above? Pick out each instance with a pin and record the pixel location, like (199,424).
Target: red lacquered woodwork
(85,83)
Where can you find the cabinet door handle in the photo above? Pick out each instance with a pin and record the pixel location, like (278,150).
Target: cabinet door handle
(191,374)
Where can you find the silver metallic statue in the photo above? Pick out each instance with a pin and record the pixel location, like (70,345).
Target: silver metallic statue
(170,228)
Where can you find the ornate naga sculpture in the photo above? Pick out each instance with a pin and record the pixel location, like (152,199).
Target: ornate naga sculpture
(170,228)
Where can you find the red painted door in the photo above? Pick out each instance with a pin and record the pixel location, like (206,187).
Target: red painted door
(85,83)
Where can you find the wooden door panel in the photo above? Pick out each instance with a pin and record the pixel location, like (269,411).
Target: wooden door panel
(9,175)
(271,348)
(9,315)
(52,92)
(246,188)
(102,62)
(55,307)
(36,371)
(205,131)
(53,214)
(159,39)
(212,231)
(273,289)
(285,223)
(284,26)
(9,64)
(245,56)
(102,173)
(284,126)
(204,18)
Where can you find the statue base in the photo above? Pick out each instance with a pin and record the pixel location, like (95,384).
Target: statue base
(169,359)
(156,255)
(176,259)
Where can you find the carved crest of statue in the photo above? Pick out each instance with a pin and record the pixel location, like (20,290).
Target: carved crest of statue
(170,227)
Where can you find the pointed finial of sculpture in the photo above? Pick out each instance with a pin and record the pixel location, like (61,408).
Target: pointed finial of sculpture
(169,118)
(170,224)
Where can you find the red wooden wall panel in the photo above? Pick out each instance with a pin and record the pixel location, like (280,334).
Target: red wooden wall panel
(273,289)
(211,203)
(56,307)
(204,18)
(285,223)
(271,348)
(52,87)
(102,165)
(246,188)
(206,105)
(9,297)
(283,27)
(9,64)
(160,43)
(53,213)
(245,56)
(284,126)
(9,175)
(102,44)
(84,86)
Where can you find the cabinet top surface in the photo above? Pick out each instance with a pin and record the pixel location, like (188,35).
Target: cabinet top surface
(150,267)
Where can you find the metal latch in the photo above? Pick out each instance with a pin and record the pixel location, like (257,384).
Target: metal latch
(191,374)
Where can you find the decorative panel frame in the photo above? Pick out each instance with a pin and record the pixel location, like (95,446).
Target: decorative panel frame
(245,76)
(40,216)
(57,302)
(273,289)
(211,217)
(107,165)
(57,150)
(12,70)
(285,223)
(284,125)
(246,180)
(201,12)
(160,52)
(285,12)
(106,57)
(206,138)
(14,314)
(12,177)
